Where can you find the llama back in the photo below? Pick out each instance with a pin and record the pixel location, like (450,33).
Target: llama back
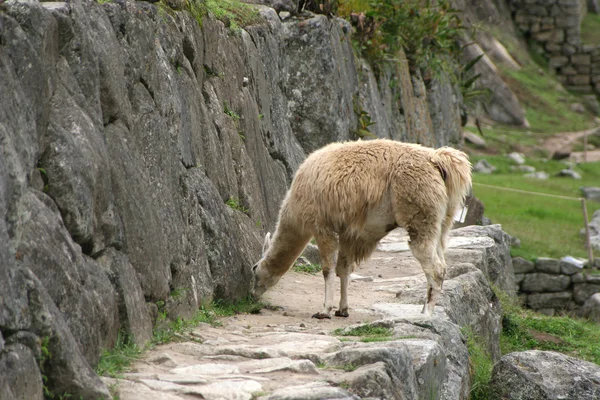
(336,185)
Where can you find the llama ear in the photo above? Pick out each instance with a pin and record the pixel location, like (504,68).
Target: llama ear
(267,243)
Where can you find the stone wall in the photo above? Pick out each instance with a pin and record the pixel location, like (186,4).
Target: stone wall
(552,286)
(555,25)
(125,129)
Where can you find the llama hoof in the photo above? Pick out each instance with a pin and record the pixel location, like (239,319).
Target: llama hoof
(344,313)
(321,315)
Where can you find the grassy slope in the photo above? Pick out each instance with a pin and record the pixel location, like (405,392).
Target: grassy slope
(590,29)
(525,330)
(547,227)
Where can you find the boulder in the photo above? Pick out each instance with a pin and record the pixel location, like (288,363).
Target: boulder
(548,265)
(544,375)
(399,380)
(475,210)
(503,105)
(469,302)
(474,139)
(568,173)
(591,308)
(21,378)
(483,167)
(522,266)
(492,257)
(560,300)
(517,158)
(583,291)
(591,192)
(541,282)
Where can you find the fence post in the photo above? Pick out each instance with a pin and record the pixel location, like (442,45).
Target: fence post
(585,143)
(587,233)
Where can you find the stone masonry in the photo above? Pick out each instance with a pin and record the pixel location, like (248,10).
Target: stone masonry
(552,286)
(555,25)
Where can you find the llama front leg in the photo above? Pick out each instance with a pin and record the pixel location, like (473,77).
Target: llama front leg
(327,247)
(329,277)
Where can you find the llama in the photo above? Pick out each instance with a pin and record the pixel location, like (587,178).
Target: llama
(348,196)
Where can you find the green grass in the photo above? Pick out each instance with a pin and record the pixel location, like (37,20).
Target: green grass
(114,362)
(308,268)
(547,227)
(590,28)
(481,365)
(367,333)
(524,330)
(571,336)
(233,13)
(547,106)
(117,360)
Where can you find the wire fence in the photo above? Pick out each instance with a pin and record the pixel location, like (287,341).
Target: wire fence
(579,199)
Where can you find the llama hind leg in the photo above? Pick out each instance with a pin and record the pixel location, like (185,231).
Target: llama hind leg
(327,248)
(426,251)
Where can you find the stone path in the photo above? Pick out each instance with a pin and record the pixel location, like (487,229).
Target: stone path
(284,354)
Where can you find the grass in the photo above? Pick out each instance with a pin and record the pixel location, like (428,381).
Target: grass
(590,28)
(546,104)
(530,217)
(307,268)
(367,333)
(114,362)
(480,363)
(526,330)
(233,13)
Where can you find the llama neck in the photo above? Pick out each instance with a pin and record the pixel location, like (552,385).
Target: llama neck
(287,245)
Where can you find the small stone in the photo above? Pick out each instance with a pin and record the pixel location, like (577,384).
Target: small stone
(522,266)
(163,359)
(569,173)
(578,108)
(474,139)
(483,167)
(360,278)
(517,158)
(538,175)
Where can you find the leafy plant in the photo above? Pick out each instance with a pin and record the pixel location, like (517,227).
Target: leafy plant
(230,112)
(467,81)
(113,362)
(236,204)
(326,7)
(307,268)
(364,121)
(429,34)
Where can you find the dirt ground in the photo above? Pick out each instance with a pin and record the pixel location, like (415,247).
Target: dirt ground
(567,139)
(297,296)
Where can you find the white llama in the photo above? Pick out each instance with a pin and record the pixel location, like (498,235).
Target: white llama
(348,196)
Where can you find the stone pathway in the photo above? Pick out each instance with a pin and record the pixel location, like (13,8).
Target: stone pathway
(282,353)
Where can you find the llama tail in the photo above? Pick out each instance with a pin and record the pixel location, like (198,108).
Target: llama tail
(456,170)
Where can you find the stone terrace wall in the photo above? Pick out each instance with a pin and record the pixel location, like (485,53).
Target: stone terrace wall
(555,24)
(553,286)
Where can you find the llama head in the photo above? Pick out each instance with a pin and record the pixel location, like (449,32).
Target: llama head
(262,278)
